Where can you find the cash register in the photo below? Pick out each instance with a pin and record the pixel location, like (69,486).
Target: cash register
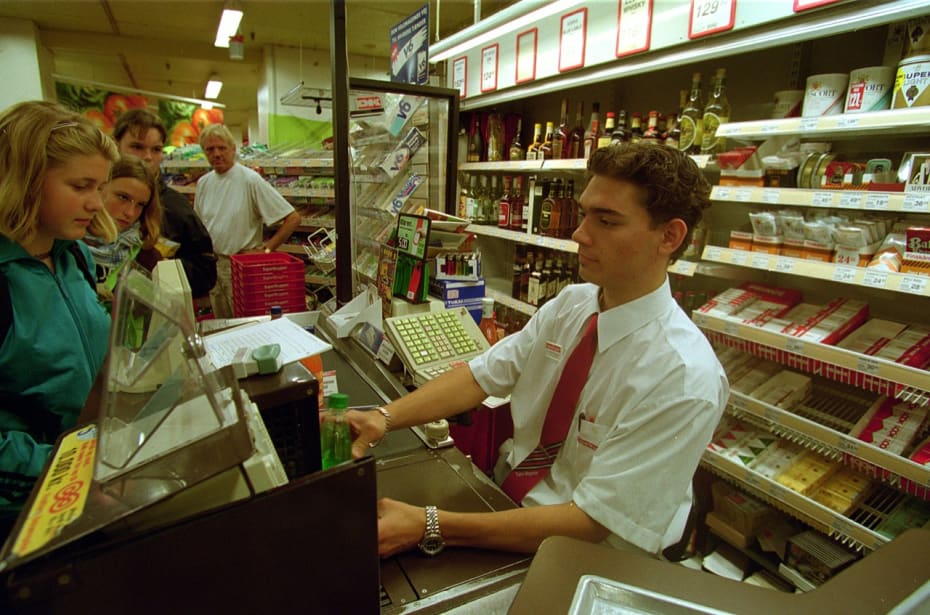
(177,497)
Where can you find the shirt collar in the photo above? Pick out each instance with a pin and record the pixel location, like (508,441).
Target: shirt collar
(618,322)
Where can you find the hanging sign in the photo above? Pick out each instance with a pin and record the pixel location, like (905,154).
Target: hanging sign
(803,5)
(489,68)
(572,40)
(460,76)
(711,16)
(409,43)
(526,55)
(634,26)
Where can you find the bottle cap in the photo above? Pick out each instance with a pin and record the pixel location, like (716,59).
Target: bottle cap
(487,307)
(276,311)
(338,401)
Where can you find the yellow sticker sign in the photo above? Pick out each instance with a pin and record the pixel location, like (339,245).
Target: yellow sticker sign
(61,497)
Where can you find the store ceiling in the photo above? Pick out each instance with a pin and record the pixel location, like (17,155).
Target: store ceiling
(166,46)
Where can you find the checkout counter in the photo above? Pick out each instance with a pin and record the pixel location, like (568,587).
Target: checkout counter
(208,522)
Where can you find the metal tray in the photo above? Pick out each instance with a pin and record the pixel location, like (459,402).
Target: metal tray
(600,596)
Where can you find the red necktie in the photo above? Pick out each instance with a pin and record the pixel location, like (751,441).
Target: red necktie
(558,417)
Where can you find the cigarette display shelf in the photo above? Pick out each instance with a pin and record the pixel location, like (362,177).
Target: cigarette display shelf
(857,528)
(838,364)
(910,121)
(910,283)
(860,200)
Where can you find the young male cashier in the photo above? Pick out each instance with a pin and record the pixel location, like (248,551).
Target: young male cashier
(651,399)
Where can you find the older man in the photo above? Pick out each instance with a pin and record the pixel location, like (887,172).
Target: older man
(235,203)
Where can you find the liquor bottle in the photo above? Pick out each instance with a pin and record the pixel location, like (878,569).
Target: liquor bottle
(484,197)
(335,437)
(562,134)
(592,134)
(674,134)
(532,152)
(535,290)
(692,119)
(516,146)
(505,205)
(620,133)
(605,138)
(549,210)
(495,137)
(569,217)
(525,277)
(546,149)
(474,140)
(636,127)
(548,278)
(472,204)
(494,199)
(651,134)
(487,325)
(517,203)
(576,141)
(716,112)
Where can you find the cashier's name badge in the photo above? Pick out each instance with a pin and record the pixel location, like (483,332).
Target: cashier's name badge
(553,351)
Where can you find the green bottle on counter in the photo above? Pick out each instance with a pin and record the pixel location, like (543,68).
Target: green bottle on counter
(335,435)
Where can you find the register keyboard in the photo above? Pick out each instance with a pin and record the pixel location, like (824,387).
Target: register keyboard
(434,342)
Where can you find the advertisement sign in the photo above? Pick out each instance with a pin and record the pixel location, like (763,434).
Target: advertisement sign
(409,43)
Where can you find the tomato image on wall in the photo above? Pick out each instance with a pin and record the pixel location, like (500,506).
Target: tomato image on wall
(184,121)
(100,106)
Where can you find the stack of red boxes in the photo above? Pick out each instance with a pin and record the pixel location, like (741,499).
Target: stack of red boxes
(261,281)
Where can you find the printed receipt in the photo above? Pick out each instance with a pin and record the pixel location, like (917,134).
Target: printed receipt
(296,343)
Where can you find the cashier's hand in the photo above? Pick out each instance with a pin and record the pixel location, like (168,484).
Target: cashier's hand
(400,526)
(367,427)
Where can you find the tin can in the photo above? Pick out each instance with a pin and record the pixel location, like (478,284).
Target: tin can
(787,103)
(912,83)
(870,89)
(825,94)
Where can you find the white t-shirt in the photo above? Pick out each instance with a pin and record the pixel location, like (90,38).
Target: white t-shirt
(653,397)
(234,207)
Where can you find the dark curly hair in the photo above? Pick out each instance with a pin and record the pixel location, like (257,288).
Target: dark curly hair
(674,185)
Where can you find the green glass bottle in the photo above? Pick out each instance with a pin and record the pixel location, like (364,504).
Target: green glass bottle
(335,436)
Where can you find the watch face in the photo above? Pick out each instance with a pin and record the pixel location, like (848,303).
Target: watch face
(431,545)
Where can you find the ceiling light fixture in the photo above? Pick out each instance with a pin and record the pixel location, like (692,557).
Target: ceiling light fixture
(214,85)
(229,24)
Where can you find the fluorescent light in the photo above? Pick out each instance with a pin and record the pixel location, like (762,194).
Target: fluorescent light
(229,25)
(214,85)
(476,35)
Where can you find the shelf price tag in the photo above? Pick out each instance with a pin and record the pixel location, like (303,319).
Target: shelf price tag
(760,261)
(712,253)
(847,445)
(771,195)
(843,526)
(460,76)
(916,284)
(710,16)
(851,200)
(635,25)
(844,274)
(526,56)
(768,127)
(572,36)
(876,201)
(808,124)
(875,279)
(739,257)
(684,268)
(822,199)
(722,193)
(743,195)
(784,265)
(868,365)
(847,121)
(489,68)
(792,344)
(916,202)
(731,328)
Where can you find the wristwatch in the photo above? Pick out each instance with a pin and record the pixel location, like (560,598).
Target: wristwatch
(432,542)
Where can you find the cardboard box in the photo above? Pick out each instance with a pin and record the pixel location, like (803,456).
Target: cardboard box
(452,290)
(744,514)
(817,557)
(726,531)
(740,240)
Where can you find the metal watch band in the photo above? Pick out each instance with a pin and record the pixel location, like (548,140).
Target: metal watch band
(387,426)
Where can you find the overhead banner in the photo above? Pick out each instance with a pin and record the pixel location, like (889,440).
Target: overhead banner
(409,44)
(183,121)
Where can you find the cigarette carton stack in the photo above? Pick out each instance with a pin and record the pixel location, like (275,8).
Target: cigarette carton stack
(894,341)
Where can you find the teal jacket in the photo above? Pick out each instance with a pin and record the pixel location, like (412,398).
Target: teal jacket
(49,360)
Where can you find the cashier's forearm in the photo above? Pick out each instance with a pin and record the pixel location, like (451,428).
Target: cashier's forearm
(521,529)
(453,392)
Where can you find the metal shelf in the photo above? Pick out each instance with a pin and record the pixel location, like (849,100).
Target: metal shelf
(563,245)
(899,122)
(861,200)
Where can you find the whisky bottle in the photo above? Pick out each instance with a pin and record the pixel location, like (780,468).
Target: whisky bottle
(533,150)
(605,138)
(562,134)
(576,141)
(517,204)
(620,133)
(636,127)
(505,205)
(546,150)
(716,112)
(692,119)
(495,137)
(592,134)
(516,146)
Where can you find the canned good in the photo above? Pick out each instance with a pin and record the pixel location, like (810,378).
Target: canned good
(824,94)
(912,83)
(870,89)
(787,103)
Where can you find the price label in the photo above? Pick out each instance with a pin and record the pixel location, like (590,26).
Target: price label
(768,127)
(712,253)
(847,121)
(868,365)
(753,480)
(875,279)
(784,265)
(634,28)
(709,16)
(848,445)
(731,328)
(851,200)
(916,284)
(699,318)
(684,268)
(876,201)
(808,123)
(916,202)
(722,193)
(794,345)
(489,68)
(460,76)
(572,40)
(739,257)
(844,274)
(738,402)
(770,414)
(771,195)
(822,199)
(760,261)
(743,195)
(526,56)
